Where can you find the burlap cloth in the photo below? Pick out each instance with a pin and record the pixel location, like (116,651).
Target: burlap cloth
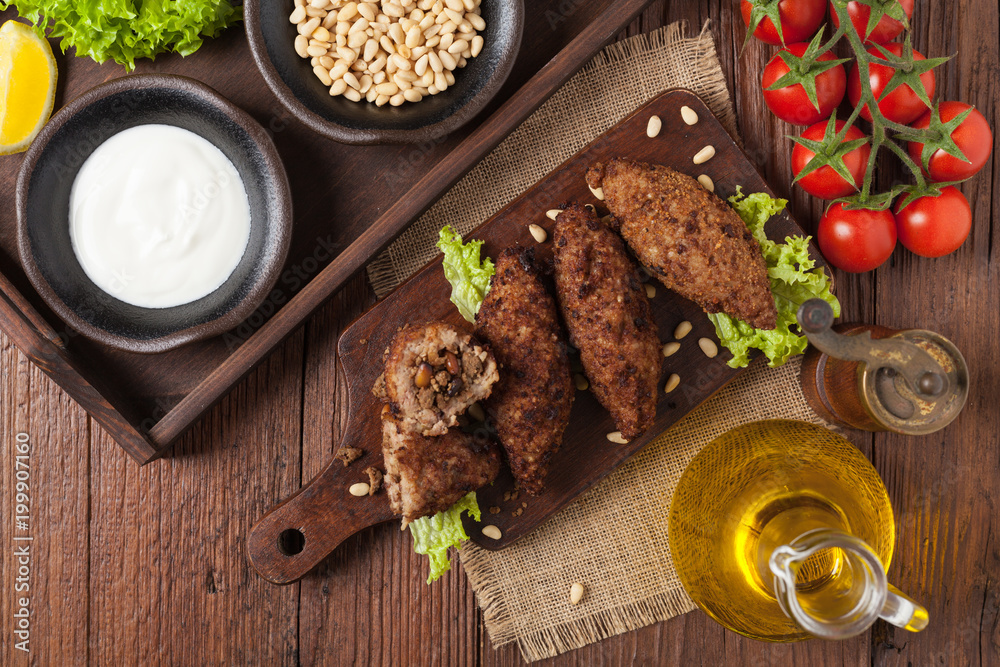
(613,539)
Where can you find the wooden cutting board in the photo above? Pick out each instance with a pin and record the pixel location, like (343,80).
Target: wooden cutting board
(297,534)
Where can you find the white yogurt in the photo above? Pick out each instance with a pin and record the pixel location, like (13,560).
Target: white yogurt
(158,216)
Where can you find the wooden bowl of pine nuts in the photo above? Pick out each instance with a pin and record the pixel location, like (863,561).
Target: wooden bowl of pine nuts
(386,71)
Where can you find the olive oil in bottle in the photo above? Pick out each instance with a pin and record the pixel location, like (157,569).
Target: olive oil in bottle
(759,487)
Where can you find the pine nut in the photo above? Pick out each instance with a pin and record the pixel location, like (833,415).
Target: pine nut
(302,46)
(672,383)
(492,532)
(447,60)
(689,115)
(709,347)
(682,329)
(616,436)
(413,45)
(671,348)
(576,592)
(338,87)
(650,290)
(538,233)
(323,75)
(653,126)
(476,412)
(704,155)
(597,192)
(360,489)
(308,27)
(581,382)
(552,213)
(706,182)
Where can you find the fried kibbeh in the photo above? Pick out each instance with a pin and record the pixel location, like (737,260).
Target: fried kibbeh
(691,240)
(607,313)
(530,404)
(433,373)
(426,475)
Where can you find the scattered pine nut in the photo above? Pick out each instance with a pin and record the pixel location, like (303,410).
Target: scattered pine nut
(492,532)
(616,436)
(689,115)
(582,383)
(552,213)
(576,592)
(704,155)
(359,489)
(650,290)
(706,182)
(708,346)
(671,348)
(672,382)
(476,412)
(538,232)
(682,329)
(653,126)
(597,192)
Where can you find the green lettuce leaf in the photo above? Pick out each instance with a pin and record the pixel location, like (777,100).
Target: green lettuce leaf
(794,279)
(434,535)
(125,30)
(470,279)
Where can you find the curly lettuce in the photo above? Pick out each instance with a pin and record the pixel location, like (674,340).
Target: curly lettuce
(434,535)
(126,30)
(469,278)
(794,279)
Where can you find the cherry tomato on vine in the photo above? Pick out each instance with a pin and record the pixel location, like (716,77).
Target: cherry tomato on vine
(856,241)
(825,182)
(902,104)
(934,226)
(790,103)
(885,30)
(973,137)
(800,19)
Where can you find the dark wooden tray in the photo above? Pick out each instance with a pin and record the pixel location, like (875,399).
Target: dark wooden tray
(350,202)
(325,513)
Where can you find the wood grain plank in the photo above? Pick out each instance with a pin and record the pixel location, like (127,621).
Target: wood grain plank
(169,580)
(944,486)
(57,467)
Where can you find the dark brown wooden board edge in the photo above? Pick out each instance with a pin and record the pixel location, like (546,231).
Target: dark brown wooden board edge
(353,353)
(27,330)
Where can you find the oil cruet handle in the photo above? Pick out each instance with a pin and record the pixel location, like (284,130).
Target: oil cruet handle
(853,603)
(903,611)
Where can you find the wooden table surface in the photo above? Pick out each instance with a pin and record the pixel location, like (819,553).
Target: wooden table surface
(133,566)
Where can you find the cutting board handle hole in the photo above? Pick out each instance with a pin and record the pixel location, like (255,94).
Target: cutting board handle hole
(291,542)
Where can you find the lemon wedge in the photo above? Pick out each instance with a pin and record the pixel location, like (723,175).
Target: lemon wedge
(27,85)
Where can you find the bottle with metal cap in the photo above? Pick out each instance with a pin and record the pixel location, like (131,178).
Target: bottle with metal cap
(879,379)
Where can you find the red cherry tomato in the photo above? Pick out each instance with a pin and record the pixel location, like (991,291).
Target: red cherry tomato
(856,241)
(973,137)
(799,21)
(826,183)
(885,30)
(934,226)
(901,105)
(790,103)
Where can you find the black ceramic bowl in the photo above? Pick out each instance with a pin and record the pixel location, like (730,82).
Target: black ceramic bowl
(43,191)
(272,42)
